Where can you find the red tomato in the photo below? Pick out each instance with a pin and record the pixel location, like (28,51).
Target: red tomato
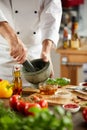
(21,106)
(43,103)
(84,113)
(30,105)
(13,101)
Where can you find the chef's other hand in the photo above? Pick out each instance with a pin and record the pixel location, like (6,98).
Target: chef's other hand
(18,51)
(46,54)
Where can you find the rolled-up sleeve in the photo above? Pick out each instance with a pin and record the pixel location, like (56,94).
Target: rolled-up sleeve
(51,20)
(2,17)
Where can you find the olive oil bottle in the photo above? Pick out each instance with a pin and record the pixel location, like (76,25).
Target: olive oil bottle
(17,80)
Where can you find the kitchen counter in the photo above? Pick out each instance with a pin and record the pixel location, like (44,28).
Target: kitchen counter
(78,121)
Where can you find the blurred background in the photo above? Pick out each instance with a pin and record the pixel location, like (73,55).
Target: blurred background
(77,8)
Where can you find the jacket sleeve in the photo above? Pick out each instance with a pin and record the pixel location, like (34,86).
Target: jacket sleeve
(51,19)
(2,17)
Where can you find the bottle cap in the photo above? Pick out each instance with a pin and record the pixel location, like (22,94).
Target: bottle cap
(17,67)
(74,19)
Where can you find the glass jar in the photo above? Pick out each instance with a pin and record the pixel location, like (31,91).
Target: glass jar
(17,80)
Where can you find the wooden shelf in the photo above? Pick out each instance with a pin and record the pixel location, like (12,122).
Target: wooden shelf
(70,61)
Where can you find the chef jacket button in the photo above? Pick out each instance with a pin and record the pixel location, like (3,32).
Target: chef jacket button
(35,12)
(34,32)
(18,32)
(16,11)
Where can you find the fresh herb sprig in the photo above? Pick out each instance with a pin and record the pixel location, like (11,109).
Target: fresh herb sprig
(58,81)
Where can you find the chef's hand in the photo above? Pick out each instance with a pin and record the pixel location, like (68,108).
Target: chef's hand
(18,51)
(46,54)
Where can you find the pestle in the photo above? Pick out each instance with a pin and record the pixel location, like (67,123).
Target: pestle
(28,66)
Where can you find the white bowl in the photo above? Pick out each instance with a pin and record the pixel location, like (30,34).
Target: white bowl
(83,84)
(71,107)
(63,94)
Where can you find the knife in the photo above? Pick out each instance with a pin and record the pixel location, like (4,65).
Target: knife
(78,88)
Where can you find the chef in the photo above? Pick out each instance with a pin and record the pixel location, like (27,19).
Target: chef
(28,29)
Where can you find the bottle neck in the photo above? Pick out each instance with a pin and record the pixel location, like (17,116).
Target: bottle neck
(65,32)
(16,71)
(74,28)
(16,74)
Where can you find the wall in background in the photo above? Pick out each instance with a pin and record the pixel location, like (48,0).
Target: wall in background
(56,63)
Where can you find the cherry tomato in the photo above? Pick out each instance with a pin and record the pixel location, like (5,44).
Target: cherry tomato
(21,106)
(84,113)
(43,103)
(13,101)
(30,105)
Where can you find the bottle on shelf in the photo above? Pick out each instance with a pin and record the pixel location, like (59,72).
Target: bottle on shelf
(75,40)
(17,80)
(65,37)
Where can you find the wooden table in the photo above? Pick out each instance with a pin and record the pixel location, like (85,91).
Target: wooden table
(70,61)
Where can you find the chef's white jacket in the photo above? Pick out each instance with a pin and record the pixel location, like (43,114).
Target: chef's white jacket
(33,21)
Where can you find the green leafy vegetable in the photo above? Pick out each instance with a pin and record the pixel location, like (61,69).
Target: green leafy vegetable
(45,119)
(58,81)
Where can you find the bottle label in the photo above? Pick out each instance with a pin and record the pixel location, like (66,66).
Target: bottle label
(75,44)
(66,44)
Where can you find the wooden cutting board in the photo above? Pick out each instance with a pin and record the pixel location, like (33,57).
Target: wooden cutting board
(75,96)
(29,90)
(80,94)
(57,99)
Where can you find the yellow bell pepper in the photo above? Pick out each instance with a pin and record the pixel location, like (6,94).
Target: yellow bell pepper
(5,89)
